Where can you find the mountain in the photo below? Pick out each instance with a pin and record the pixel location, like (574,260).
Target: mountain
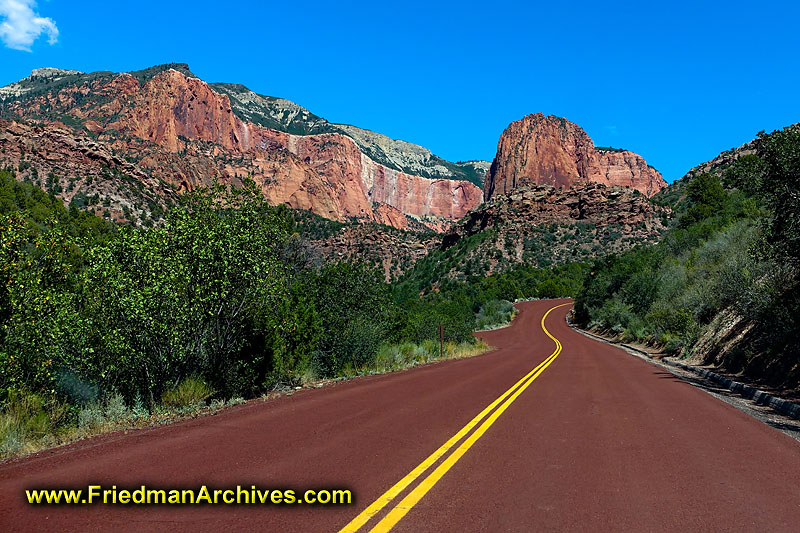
(123,145)
(166,126)
(537,225)
(552,211)
(542,225)
(550,150)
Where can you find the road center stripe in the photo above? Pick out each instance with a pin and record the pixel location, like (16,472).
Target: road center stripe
(414,496)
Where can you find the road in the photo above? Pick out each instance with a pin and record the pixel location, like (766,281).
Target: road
(592,438)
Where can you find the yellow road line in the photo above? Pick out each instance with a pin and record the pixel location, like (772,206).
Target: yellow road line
(409,501)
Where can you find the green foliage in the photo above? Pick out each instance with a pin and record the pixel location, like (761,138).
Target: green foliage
(494,313)
(293,329)
(736,248)
(421,318)
(38,276)
(315,227)
(746,174)
(180,298)
(707,198)
(356,313)
(97,413)
(780,186)
(27,416)
(41,211)
(191,391)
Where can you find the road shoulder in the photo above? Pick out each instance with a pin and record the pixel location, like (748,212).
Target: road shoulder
(754,403)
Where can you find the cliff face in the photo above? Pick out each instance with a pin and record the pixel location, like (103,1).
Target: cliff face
(360,181)
(549,150)
(172,106)
(177,129)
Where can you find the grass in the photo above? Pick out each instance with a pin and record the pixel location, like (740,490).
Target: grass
(191,391)
(406,355)
(29,423)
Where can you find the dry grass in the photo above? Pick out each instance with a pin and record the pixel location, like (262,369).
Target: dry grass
(406,355)
(24,432)
(29,425)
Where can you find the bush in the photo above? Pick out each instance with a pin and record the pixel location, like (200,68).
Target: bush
(615,315)
(356,314)
(27,417)
(494,313)
(191,391)
(675,322)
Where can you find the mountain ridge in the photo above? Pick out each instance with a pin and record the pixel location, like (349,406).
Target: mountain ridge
(168,106)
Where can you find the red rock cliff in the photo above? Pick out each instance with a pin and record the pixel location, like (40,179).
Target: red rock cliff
(549,150)
(172,107)
(177,129)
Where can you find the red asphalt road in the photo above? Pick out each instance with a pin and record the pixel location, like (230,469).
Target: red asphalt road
(600,440)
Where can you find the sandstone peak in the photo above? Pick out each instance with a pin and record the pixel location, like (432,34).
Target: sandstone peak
(551,150)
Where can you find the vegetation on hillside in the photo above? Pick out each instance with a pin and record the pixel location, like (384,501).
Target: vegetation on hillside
(100,322)
(727,271)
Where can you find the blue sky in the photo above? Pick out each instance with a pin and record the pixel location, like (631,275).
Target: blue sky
(677,82)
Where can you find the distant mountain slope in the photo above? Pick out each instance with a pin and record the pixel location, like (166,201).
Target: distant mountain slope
(168,125)
(536,226)
(284,115)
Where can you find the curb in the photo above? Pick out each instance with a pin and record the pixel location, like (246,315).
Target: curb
(780,405)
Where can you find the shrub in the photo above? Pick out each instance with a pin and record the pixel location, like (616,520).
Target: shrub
(27,417)
(676,322)
(191,391)
(614,315)
(494,313)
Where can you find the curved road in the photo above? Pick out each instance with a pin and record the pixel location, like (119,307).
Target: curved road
(588,438)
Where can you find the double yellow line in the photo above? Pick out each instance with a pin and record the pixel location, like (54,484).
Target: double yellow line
(411,499)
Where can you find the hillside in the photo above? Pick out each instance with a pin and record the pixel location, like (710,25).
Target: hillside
(722,286)
(166,127)
(675,194)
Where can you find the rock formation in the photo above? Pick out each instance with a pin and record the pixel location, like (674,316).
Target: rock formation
(549,150)
(175,128)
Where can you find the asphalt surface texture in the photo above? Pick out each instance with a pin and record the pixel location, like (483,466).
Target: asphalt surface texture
(591,439)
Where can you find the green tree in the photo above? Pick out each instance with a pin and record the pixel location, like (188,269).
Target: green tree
(780,152)
(185,298)
(357,313)
(707,198)
(39,323)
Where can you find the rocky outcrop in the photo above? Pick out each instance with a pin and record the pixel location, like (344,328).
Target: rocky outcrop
(549,150)
(541,225)
(538,226)
(391,251)
(81,169)
(591,203)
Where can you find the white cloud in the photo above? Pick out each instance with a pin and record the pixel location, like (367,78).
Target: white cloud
(22,25)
